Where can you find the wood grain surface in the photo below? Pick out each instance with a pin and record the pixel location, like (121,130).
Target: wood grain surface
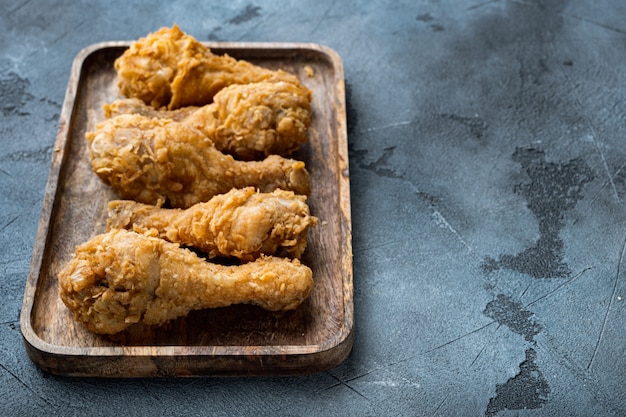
(237,340)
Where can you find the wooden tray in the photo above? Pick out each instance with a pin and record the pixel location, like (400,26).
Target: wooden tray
(237,340)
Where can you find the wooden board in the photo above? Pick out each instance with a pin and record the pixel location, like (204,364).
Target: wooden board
(237,340)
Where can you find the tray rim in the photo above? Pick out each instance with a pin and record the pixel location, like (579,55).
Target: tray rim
(341,341)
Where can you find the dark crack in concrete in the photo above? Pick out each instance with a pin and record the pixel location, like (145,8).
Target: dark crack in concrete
(527,390)
(249,13)
(14,92)
(553,189)
(512,314)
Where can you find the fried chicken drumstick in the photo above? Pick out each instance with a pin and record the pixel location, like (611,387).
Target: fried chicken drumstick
(248,121)
(241,223)
(151,160)
(170,68)
(121,278)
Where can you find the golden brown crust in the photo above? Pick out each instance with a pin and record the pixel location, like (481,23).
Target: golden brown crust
(248,121)
(172,69)
(163,145)
(121,278)
(241,223)
(150,160)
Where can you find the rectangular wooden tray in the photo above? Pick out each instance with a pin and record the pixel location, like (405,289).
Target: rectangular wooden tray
(237,340)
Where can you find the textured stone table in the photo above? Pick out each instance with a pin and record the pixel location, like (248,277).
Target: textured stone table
(488,172)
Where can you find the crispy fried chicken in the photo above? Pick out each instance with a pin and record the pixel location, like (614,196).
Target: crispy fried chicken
(241,223)
(248,121)
(121,278)
(170,68)
(159,160)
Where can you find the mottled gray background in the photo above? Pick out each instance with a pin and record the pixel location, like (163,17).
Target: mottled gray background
(488,173)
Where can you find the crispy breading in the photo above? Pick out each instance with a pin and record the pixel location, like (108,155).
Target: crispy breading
(150,160)
(242,223)
(248,121)
(121,278)
(136,106)
(170,68)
